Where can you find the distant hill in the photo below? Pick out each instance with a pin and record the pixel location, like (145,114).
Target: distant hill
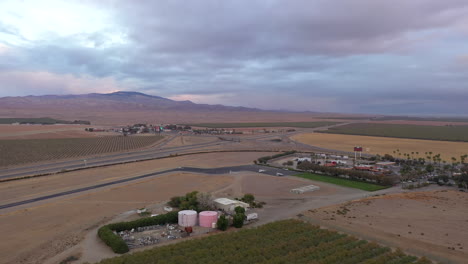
(113,101)
(133,107)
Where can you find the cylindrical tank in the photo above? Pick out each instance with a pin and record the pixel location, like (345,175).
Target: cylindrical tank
(207,218)
(187,218)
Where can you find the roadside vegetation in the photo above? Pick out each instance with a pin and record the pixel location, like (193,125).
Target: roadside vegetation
(342,182)
(21,151)
(444,133)
(264,160)
(288,241)
(272,124)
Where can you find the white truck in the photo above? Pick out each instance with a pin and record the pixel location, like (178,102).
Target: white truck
(252,216)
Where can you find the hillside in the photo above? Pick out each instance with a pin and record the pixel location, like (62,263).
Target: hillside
(133,107)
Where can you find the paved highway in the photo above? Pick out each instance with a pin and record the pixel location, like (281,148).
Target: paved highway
(222,170)
(159,151)
(155,152)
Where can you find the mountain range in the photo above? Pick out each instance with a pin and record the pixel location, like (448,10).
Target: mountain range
(128,107)
(121,100)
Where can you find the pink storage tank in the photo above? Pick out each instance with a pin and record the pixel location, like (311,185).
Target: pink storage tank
(207,218)
(187,218)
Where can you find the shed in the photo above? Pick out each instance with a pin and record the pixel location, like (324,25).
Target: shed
(228,205)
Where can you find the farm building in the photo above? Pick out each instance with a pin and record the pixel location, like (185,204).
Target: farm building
(228,205)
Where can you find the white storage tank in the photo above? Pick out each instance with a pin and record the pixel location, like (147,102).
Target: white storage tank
(187,218)
(207,218)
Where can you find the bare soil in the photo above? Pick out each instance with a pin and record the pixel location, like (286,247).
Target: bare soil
(189,140)
(36,232)
(432,223)
(48,131)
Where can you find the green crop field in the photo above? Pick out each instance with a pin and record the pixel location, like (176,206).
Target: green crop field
(271,124)
(40,120)
(447,133)
(413,118)
(21,151)
(288,241)
(342,182)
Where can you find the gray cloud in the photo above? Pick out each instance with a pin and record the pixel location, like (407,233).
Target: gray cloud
(360,55)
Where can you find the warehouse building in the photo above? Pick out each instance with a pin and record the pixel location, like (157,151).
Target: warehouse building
(228,205)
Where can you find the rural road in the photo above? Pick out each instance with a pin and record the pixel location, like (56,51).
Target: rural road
(221,170)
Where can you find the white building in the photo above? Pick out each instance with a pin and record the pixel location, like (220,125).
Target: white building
(229,205)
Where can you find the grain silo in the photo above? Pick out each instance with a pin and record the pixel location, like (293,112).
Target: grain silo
(187,218)
(207,218)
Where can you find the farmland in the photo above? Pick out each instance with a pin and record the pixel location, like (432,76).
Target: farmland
(37,150)
(40,120)
(383,145)
(288,241)
(447,133)
(270,124)
(342,182)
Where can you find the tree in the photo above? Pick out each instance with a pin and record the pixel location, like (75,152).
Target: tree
(239,210)
(238,220)
(205,202)
(248,198)
(430,168)
(222,223)
(174,202)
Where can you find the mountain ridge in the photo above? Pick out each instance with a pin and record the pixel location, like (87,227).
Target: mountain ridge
(120,100)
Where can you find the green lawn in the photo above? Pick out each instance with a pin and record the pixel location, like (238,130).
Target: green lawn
(270,124)
(342,182)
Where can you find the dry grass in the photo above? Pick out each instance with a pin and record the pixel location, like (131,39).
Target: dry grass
(426,223)
(381,145)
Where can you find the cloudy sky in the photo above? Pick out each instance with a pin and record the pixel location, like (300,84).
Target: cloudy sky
(360,56)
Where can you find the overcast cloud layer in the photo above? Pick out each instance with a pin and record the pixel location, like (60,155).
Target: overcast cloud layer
(361,56)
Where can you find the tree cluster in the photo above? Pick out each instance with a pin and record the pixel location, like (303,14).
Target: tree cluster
(193,201)
(351,174)
(239,217)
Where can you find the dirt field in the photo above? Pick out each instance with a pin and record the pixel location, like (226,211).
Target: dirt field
(38,231)
(381,145)
(47,131)
(432,223)
(189,140)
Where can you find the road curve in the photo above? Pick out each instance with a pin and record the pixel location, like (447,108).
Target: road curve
(221,170)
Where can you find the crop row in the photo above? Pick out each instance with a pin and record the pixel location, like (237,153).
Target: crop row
(288,241)
(270,124)
(21,151)
(447,133)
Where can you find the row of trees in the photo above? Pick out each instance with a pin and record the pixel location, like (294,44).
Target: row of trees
(264,160)
(351,174)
